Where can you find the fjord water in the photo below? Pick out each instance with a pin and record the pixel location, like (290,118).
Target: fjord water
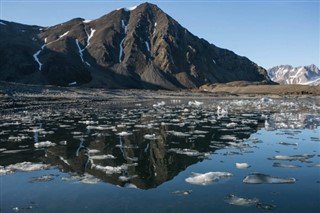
(163,156)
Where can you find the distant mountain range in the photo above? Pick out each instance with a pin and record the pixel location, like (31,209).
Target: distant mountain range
(286,74)
(139,47)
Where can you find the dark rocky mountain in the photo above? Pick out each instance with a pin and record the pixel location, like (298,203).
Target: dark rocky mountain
(140,47)
(286,74)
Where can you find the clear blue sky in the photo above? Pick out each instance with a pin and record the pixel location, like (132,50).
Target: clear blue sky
(269,33)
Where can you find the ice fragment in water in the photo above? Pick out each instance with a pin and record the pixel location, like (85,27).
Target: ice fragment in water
(239,201)
(288,144)
(242,165)
(124,133)
(182,192)
(280,165)
(292,157)
(258,178)
(44,144)
(207,178)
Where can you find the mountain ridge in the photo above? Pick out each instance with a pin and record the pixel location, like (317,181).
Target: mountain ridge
(138,48)
(287,74)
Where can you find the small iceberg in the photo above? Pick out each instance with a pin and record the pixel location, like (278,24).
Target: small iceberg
(195,103)
(124,133)
(44,144)
(43,178)
(258,178)
(280,165)
(159,104)
(242,165)
(151,137)
(182,192)
(302,158)
(288,144)
(207,178)
(239,201)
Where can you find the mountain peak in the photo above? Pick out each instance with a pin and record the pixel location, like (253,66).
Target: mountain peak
(136,47)
(286,74)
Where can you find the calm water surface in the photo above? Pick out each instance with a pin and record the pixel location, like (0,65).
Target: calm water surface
(162,156)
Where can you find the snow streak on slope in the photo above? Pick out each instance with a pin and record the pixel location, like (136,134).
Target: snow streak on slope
(36,55)
(125,28)
(92,31)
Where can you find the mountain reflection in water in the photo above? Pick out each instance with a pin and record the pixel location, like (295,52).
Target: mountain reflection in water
(139,146)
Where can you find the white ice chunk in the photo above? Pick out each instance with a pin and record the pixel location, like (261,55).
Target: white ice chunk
(72,83)
(111,169)
(159,104)
(102,157)
(239,201)
(258,178)
(195,103)
(44,144)
(188,152)
(303,157)
(207,178)
(242,165)
(27,166)
(124,133)
(151,137)
(280,165)
(214,61)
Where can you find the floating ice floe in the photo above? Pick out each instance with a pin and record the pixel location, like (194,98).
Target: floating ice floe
(207,178)
(188,152)
(44,144)
(195,103)
(43,178)
(315,166)
(102,157)
(127,178)
(159,104)
(239,201)
(124,133)
(288,144)
(231,125)
(111,169)
(5,171)
(84,179)
(259,178)
(179,134)
(280,165)
(151,137)
(302,158)
(25,167)
(242,165)
(182,192)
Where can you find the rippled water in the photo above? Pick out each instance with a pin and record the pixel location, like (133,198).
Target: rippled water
(162,156)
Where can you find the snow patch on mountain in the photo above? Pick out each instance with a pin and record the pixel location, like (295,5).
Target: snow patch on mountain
(286,74)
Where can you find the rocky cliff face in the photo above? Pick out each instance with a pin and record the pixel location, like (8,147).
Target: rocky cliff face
(286,74)
(140,47)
